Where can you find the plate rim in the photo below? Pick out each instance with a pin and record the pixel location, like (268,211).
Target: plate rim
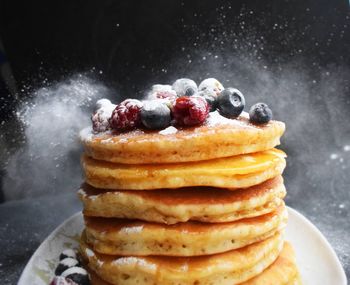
(27,268)
(330,249)
(315,230)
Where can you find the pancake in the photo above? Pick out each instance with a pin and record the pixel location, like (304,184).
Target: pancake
(219,137)
(231,172)
(171,206)
(227,268)
(127,237)
(282,272)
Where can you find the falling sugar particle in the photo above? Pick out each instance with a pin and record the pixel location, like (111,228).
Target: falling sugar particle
(346,148)
(334,156)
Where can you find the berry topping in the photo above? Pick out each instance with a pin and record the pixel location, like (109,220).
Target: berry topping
(59,280)
(126,115)
(210,98)
(68,253)
(190,111)
(155,115)
(102,103)
(260,113)
(160,91)
(185,87)
(65,264)
(211,85)
(77,275)
(165,95)
(104,109)
(231,102)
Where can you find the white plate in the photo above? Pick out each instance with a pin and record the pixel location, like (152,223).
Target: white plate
(317,262)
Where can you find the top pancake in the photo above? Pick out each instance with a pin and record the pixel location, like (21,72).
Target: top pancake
(218,137)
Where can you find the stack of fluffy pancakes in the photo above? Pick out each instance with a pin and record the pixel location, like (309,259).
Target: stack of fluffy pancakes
(195,206)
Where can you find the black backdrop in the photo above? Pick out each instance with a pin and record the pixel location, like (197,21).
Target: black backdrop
(132,41)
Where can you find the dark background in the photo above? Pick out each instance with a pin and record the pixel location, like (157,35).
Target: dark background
(294,55)
(132,41)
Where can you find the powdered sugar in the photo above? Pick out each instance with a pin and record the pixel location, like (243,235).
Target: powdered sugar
(89,252)
(107,141)
(123,140)
(132,230)
(168,131)
(211,85)
(86,134)
(158,89)
(184,85)
(134,260)
(215,118)
(82,192)
(93,197)
(103,103)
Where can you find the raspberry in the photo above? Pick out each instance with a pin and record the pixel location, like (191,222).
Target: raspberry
(159,91)
(126,115)
(164,95)
(101,116)
(99,122)
(190,111)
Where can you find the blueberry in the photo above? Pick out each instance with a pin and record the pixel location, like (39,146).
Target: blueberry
(211,85)
(79,279)
(189,91)
(155,115)
(59,280)
(77,275)
(210,98)
(185,87)
(65,264)
(231,102)
(260,113)
(68,253)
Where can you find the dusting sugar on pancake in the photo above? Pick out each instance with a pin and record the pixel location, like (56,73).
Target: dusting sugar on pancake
(181,205)
(227,268)
(218,137)
(231,172)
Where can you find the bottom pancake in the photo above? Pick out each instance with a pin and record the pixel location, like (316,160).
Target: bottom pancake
(127,237)
(282,272)
(232,267)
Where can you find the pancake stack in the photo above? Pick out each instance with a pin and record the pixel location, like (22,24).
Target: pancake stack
(199,205)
